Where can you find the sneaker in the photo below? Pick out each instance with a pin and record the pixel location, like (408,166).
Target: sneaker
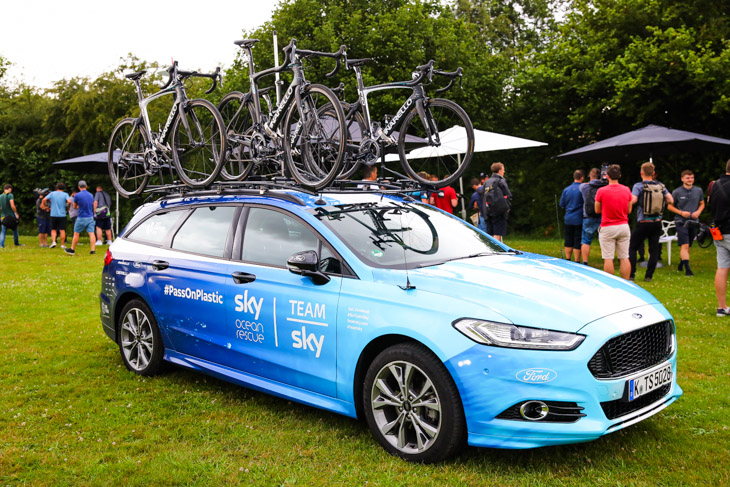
(53,244)
(19,245)
(63,246)
(689,273)
(723,311)
(647,279)
(69,252)
(108,242)
(92,252)
(44,246)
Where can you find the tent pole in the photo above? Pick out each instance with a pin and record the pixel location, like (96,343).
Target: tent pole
(461,191)
(116,220)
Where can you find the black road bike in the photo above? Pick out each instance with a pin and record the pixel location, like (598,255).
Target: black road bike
(435,136)
(298,135)
(192,140)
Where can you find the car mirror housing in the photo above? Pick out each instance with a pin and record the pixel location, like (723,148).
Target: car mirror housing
(306,263)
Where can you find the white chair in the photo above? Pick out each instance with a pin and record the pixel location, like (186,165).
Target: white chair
(667,238)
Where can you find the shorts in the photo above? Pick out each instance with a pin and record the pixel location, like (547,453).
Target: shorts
(497,225)
(685,235)
(614,240)
(84,225)
(104,223)
(572,235)
(723,251)
(590,227)
(44,225)
(58,223)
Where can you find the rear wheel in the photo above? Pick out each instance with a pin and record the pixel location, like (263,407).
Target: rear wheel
(198,149)
(412,405)
(439,143)
(237,114)
(125,158)
(140,342)
(314,138)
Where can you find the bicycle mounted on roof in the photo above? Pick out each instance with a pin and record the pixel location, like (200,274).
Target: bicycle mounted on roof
(298,135)
(435,135)
(193,139)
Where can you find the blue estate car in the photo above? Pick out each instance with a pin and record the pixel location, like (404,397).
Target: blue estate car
(371,305)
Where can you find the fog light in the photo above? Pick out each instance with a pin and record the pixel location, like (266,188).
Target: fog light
(534,410)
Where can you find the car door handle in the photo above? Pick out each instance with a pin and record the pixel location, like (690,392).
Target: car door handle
(243,277)
(160,265)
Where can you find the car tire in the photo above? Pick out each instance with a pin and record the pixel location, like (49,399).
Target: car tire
(140,342)
(427,426)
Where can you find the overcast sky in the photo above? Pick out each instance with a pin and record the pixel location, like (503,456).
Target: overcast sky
(48,40)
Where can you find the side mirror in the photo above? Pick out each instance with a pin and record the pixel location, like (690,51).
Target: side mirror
(306,264)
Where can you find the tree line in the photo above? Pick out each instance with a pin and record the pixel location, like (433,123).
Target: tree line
(566,72)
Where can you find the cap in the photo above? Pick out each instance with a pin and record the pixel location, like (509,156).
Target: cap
(82,184)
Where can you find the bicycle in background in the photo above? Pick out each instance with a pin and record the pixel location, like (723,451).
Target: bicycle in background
(298,135)
(193,138)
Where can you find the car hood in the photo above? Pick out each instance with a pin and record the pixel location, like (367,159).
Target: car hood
(531,290)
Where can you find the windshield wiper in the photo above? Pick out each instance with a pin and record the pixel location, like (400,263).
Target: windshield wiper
(480,254)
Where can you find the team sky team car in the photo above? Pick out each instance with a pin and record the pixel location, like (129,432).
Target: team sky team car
(372,305)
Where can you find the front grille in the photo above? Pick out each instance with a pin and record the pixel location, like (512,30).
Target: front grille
(560,412)
(616,409)
(633,351)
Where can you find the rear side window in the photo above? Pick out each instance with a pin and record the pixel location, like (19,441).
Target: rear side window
(206,230)
(272,237)
(154,230)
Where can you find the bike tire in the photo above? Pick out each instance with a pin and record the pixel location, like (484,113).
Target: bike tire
(127,166)
(355,125)
(198,161)
(237,113)
(446,161)
(315,138)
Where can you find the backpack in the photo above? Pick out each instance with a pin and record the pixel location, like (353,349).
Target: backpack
(494,202)
(103,211)
(652,199)
(589,205)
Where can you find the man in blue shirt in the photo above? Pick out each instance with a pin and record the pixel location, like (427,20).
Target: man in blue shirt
(58,201)
(84,202)
(572,202)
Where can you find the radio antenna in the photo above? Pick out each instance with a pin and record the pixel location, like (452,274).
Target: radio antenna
(405,255)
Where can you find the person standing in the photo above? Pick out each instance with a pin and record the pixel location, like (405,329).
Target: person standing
(613,203)
(497,199)
(572,202)
(475,202)
(102,215)
(84,203)
(718,198)
(9,211)
(58,201)
(650,197)
(591,219)
(445,198)
(688,205)
(43,217)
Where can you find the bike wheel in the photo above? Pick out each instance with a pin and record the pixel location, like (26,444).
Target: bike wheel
(125,158)
(237,114)
(198,150)
(444,155)
(315,137)
(355,126)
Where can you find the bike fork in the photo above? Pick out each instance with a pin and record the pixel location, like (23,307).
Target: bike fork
(429,125)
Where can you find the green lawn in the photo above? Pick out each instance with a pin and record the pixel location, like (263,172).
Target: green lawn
(71,414)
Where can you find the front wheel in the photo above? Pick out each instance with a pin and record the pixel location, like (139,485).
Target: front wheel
(237,113)
(412,405)
(315,137)
(198,143)
(436,145)
(126,158)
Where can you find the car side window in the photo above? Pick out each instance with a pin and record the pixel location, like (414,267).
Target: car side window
(154,229)
(206,230)
(271,237)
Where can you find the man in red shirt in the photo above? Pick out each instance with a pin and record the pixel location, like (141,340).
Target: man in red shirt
(445,199)
(613,203)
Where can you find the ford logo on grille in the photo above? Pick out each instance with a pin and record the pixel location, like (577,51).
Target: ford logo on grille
(637,316)
(536,375)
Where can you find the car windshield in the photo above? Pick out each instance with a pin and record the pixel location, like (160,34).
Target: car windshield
(398,235)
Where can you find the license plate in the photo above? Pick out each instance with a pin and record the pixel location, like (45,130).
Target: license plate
(645,383)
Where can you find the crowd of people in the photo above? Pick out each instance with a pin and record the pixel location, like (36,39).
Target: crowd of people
(90,214)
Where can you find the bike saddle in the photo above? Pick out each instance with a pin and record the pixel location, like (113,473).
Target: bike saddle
(358,62)
(135,76)
(246,42)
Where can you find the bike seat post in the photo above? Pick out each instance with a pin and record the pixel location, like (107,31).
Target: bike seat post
(138,89)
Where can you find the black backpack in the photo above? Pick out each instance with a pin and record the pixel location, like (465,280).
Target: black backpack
(589,205)
(494,202)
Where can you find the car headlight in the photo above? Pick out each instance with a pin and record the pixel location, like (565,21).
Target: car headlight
(513,336)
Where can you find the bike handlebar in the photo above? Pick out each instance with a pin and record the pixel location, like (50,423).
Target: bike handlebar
(173,72)
(337,56)
(452,75)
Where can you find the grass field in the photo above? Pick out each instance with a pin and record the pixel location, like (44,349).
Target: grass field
(71,414)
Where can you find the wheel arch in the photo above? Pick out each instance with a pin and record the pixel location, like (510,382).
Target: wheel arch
(119,305)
